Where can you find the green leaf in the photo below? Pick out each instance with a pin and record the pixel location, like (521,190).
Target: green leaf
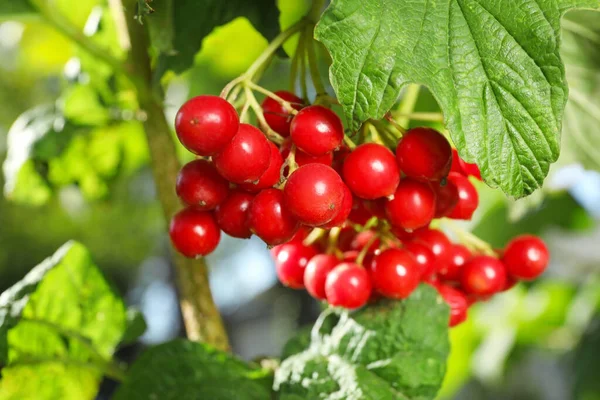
(493,66)
(189,21)
(136,326)
(187,370)
(16,9)
(581,54)
(391,350)
(59,327)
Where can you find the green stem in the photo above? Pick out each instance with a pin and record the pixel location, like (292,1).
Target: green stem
(407,105)
(302,64)
(201,317)
(421,116)
(312,62)
(315,10)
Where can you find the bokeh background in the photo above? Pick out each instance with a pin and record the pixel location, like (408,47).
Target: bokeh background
(79,170)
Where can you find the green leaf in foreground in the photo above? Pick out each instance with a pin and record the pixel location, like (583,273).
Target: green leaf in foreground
(59,327)
(187,370)
(391,350)
(186,23)
(494,67)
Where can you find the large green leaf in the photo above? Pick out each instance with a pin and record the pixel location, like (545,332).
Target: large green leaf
(177,30)
(187,370)
(391,350)
(59,327)
(494,67)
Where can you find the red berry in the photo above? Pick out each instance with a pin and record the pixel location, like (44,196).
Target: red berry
(470,169)
(526,257)
(439,244)
(316,273)
(278,118)
(468,199)
(290,262)
(423,256)
(303,158)
(205,124)
(395,273)
(271,176)
(363,238)
(314,194)
(348,285)
(339,158)
(456,166)
(194,232)
(446,199)
(317,130)
(459,255)
(232,214)
(343,212)
(269,220)
(200,185)
(246,157)
(413,205)
(359,214)
(424,153)
(483,276)
(457,301)
(371,171)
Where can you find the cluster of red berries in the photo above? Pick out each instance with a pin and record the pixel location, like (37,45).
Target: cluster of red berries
(376,205)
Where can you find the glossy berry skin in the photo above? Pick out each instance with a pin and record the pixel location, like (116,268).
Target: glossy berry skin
(269,219)
(446,199)
(413,205)
(246,157)
(314,194)
(232,214)
(316,273)
(348,285)
(395,273)
(303,158)
(468,198)
(271,176)
(278,118)
(205,124)
(317,130)
(470,169)
(439,244)
(457,301)
(459,255)
(456,163)
(424,153)
(194,232)
(424,257)
(526,257)
(483,276)
(290,261)
(343,212)
(200,185)
(370,171)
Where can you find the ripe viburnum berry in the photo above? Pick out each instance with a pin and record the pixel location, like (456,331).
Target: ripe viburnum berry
(348,285)
(278,117)
(200,185)
(271,176)
(413,205)
(343,212)
(317,130)
(314,194)
(395,273)
(316,273)
(438,242)
(205,124)
(468,199)
(457,301)
(446,199)
(423,256)
(269,219)
(526,257)
(246,157)
(194,232)
(483,276)
(232,214)
(290,262)
(424,153)
(452,270)
(370,171)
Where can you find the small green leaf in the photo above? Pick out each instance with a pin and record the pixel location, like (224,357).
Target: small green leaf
(391,350)
(187,370)
(493,66)
(189,21)
(59,327)
(136,326)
